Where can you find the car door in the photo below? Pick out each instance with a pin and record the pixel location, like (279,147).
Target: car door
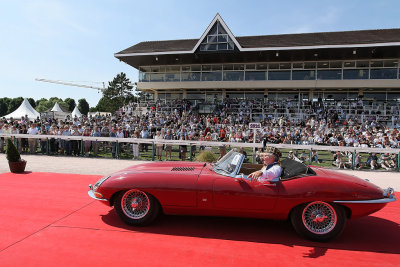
(232,194)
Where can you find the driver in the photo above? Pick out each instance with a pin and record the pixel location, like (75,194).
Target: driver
(271,169)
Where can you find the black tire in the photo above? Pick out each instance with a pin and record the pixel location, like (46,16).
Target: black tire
(136,207)
(319,221)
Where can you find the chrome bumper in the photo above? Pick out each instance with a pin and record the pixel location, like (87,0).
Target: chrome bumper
(372,201)
(91,194)
(388,196)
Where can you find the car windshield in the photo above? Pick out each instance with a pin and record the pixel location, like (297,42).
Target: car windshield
(228,163)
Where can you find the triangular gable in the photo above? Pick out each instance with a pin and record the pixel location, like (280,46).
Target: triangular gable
(217,37)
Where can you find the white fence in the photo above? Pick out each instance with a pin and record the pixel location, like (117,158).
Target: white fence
(211,144)
(207,143)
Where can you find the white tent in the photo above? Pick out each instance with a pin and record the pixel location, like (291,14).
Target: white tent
(24,109)
(76,112)
(56,108)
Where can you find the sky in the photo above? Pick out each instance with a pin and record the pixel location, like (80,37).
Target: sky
(71,40)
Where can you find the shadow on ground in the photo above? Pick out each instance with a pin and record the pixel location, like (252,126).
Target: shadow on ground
(370,233)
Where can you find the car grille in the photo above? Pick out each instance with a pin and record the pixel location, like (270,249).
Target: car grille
(182,169)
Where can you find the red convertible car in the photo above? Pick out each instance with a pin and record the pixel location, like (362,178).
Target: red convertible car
(316,200)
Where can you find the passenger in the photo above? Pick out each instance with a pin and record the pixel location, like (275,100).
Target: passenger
(271,169)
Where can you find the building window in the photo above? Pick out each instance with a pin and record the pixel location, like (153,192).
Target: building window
(393,96)
(324,70)
(157,77)
(383,73)
(355,74)
(144,77)
(279,75)
(329,74)
(380,96)
(172,77)
(217,39)
(190,76)
(256,75)
(303,75)
(211,76)
(233,76)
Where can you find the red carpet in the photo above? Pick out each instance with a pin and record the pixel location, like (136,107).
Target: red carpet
(48,219)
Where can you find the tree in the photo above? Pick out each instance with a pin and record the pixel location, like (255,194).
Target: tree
(71,103)
(39,101)
(32,102)
(12,152)
(3,106)
(54,100)
(119,91)
(106,104)
(44,104)
(14,104)
(83,106)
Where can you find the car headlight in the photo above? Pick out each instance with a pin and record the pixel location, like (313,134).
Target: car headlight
(388,192)
(99,182)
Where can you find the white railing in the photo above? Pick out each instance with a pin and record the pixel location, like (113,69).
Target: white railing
(135,140)
(207,143)
(190,143)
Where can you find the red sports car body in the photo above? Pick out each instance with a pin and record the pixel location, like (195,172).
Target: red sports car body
(316,200)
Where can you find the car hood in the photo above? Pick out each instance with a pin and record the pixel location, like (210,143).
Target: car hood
(167,167)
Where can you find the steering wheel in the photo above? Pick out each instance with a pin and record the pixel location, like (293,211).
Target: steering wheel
(230,167)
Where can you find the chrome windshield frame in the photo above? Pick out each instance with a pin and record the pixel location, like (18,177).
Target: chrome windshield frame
(238,165)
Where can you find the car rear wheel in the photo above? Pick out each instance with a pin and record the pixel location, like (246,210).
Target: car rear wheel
(136,207)
(319,221)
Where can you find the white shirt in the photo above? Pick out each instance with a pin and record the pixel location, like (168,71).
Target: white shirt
(120,134)
(271,173)
(33,130)
(158,138)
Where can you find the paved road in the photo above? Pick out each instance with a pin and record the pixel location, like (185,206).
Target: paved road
(99,166)
(77,165)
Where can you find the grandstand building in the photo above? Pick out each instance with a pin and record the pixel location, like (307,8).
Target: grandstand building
(308,66)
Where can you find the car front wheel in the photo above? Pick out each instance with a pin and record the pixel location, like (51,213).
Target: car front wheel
(136,207)
(319,221)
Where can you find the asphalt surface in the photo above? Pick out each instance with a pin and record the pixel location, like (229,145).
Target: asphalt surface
(101,166)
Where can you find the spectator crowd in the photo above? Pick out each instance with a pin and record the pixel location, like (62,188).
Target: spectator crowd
(181,120)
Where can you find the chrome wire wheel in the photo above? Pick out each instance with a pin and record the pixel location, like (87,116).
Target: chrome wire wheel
(135,204)
(319,217)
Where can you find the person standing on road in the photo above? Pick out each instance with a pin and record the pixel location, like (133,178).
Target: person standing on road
(95,144)
(159,146)
(33,130)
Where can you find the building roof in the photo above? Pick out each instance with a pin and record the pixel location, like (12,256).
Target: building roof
(345,38)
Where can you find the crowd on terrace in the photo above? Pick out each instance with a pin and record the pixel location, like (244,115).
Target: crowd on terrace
(180,120)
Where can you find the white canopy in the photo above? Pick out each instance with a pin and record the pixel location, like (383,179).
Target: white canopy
(24,109)
(56,107)
(76,112)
